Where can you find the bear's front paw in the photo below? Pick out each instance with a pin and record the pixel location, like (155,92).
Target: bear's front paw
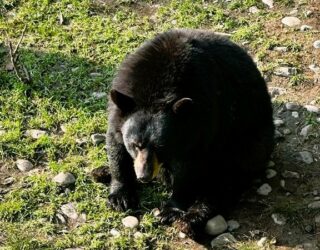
(122,199)
(170,214)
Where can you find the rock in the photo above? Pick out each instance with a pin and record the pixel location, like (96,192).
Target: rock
(306,157)
(24,165)
(279,219)
(282,183)
(216,225)
(137,235)
(312,109)
(285,71)
(61,219)
(280,49)
(286,131)
(64,179)
(35,133)
(3,191)
(306,130)
(305,27)
(270,173)
(264,189)
(314,205)
(156,212)
(315,68)
(130,222)
(254,10)
(262,241)
(69,210)
(308,13)
(222,240)
(290,174)
(271,164)
(99,95)
(95,74)
(98,138)
(8,181)
(293,12)
(291,21)
(182,235)
(278,122)
(295,114)
(233,225)
(292,106)
(316,44)
(114,232)
(269,3)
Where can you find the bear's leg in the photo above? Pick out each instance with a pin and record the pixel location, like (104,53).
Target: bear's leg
(123,186)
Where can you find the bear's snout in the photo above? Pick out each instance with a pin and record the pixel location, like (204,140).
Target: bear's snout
(143,165)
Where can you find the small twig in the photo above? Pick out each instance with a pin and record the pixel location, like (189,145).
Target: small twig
(13,62)
(20,40)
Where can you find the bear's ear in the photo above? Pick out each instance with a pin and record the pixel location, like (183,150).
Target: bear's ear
(182,105)
(124,102)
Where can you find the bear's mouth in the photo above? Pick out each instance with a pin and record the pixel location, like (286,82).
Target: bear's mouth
(146,166)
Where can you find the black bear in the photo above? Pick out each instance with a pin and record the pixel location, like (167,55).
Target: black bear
(194,104)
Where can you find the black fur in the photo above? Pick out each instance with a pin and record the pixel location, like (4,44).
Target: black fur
(213,143)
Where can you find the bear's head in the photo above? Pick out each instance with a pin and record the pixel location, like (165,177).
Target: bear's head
(149,136)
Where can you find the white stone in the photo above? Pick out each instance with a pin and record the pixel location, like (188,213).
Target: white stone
(292,106)
(306,157)
(222,240)
(35,133)
(291,21)
(24,165)
(95,74)
(130,221)
(286,131)
(262,241)
(233,225)
(290,174)
(305,27)
(279,219)
(314,205)
(285,71)
(295,114)
(316,44)
(254,10)
(270,173)
(98,138)
(312,109)
(137,235)
(69,210)
(8,181)
(156,212)
(99,95)
(278,122)
(305,131)
(269,3)
(280,49)
(293,12)
(264,189)
(216,225)
(182,235)
(64,179)
(114,232)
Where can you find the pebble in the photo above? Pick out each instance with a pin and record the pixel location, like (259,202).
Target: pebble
(130,222)
(222,240)
(182,235)
(262,241)
(99,95)
(95,74)
(306,157)
(286,131)
(285,71)
(315,68)
(269,3)
(233,225)
(114,232)
(216,225)
(8,181)
(24,165)
(35,133)
(282,183)
(312,109)
(156,212)
(295,114)
(254,10)
(264,189)
(314,205)
(280,49)
(305,131)
(292,106)
(278,122)
(316,44)
(291,21)
(290,174)
(279,219)
(305,27)
(69,210)
(270,173)
(98,138)
(64,179)
(293,12)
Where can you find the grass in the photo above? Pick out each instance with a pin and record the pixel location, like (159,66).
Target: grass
(69,60)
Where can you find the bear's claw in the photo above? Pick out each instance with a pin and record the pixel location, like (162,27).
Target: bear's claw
(122,200)
(170,214)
